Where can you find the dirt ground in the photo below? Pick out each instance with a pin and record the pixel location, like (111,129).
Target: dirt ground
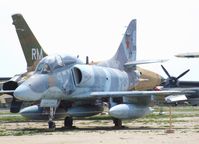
(106,137)
(186,131)
(149,130)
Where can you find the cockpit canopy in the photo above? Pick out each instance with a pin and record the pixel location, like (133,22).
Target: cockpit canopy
(50,63)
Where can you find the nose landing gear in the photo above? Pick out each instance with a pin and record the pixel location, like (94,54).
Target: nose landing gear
(51,123)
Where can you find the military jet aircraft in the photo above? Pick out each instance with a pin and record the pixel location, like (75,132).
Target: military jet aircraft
(33,52)
(65,87)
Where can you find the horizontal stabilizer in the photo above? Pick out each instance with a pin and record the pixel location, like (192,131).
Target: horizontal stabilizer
(138,62)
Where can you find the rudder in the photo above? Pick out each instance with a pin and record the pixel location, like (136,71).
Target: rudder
(127,49)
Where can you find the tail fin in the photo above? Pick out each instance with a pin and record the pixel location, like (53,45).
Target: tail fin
(32,50)
(127,50)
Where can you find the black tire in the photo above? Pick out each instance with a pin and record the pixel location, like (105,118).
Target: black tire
(117,122)
(51,125)
(68,122)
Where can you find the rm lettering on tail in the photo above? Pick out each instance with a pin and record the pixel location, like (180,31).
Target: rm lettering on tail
(36,54)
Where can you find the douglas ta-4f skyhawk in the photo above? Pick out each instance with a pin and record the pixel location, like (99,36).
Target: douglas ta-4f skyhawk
(65,87)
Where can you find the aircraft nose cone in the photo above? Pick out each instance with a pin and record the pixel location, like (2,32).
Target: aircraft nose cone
(24,92)
(21,92)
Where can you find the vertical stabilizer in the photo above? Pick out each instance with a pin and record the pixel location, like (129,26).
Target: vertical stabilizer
(32,50)
(127,49)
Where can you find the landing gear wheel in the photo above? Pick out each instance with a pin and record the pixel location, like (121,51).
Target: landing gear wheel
(68,122)
(51,125)
(117,122)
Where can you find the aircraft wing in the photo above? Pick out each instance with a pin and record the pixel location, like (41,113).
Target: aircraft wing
(6,91)
(136,93)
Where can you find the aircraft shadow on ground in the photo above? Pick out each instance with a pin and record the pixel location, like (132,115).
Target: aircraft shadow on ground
(62,129)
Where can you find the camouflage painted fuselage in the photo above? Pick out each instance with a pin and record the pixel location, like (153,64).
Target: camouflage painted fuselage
(65,82)
(72,78)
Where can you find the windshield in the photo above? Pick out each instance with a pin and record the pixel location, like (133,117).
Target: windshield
(49,64)
(43,68)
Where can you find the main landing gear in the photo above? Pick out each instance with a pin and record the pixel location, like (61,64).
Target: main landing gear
(51,125)
(68,122)
(117,123)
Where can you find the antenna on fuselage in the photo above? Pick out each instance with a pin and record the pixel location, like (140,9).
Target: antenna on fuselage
(87,60)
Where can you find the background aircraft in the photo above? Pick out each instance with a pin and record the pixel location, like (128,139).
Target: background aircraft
(174,82)
(188,55)
(66,87)
(32,52)
(2,79)
(148,80)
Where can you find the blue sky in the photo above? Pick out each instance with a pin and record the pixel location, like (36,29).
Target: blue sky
(96,27)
